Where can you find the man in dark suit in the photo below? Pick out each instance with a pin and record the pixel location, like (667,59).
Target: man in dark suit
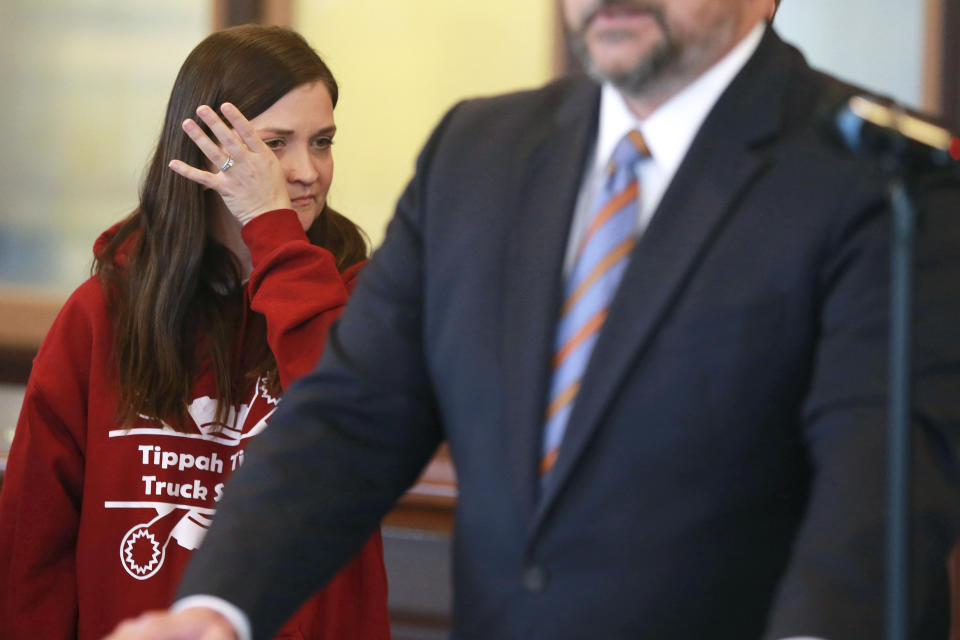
(717,466)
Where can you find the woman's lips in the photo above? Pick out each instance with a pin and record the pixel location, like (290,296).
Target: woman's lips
(303,201)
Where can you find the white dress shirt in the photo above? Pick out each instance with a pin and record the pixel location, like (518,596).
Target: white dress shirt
(234,615)
(668,132)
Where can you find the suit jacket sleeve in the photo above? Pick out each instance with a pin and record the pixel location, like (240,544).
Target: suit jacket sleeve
(347,440)
(295,285)
(834,584)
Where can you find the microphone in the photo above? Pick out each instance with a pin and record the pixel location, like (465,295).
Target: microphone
(888,132)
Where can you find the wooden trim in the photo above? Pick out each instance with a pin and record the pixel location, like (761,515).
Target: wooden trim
(950,63)
(277,12)
(560,62)
(25,316)
(229,13)
(933,58)
(564,61)
(15,364)
(430,504)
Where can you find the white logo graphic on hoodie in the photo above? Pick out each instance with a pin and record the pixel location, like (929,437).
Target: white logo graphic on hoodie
(143,547)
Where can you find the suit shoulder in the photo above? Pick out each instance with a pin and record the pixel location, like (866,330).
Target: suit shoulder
(522,107)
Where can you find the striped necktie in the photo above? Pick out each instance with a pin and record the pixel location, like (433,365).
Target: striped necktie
(599,262)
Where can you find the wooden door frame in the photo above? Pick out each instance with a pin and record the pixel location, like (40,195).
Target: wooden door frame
(229,13)
(943,60)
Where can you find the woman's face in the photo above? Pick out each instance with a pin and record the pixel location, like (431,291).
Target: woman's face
(299,128)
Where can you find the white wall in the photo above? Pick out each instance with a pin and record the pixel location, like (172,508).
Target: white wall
(877,44)
(11,396)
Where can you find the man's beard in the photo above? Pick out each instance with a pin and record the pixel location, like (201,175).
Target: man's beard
(634,80)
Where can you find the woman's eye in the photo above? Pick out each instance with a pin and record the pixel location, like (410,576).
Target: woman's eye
(323,142)
(274,144)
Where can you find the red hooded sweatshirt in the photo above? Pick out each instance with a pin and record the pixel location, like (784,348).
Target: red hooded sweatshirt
(98,521)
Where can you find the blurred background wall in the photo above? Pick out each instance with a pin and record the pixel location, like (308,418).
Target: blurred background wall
(85,83)
(401,65)
(879,44)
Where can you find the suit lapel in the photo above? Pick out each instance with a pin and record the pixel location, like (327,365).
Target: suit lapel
(719,166)
(549,176)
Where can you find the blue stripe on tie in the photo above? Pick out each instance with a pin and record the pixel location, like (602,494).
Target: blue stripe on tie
(591,285)
(611,234)
(595,298)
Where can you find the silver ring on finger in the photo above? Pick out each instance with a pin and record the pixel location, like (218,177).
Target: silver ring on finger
(226,164)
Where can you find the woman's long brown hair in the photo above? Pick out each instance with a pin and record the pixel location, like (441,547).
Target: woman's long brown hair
(175,293)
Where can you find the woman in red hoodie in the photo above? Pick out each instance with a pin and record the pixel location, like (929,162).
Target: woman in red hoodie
(206,303)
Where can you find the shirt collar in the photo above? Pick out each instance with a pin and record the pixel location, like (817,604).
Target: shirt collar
(670,129)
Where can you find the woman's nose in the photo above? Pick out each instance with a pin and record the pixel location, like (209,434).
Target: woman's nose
(300,166)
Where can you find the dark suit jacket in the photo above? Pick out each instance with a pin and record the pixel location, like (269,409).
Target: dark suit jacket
(723,472)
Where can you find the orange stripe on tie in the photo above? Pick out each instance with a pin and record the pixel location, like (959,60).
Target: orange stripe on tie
(637,139)
(614,205)
(615,255)
(563,399)
(547,461)
(586,330)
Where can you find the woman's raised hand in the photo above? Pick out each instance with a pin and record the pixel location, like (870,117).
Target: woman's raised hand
(248,175)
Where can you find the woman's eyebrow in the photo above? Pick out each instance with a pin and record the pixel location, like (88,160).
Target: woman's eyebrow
(288,132)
